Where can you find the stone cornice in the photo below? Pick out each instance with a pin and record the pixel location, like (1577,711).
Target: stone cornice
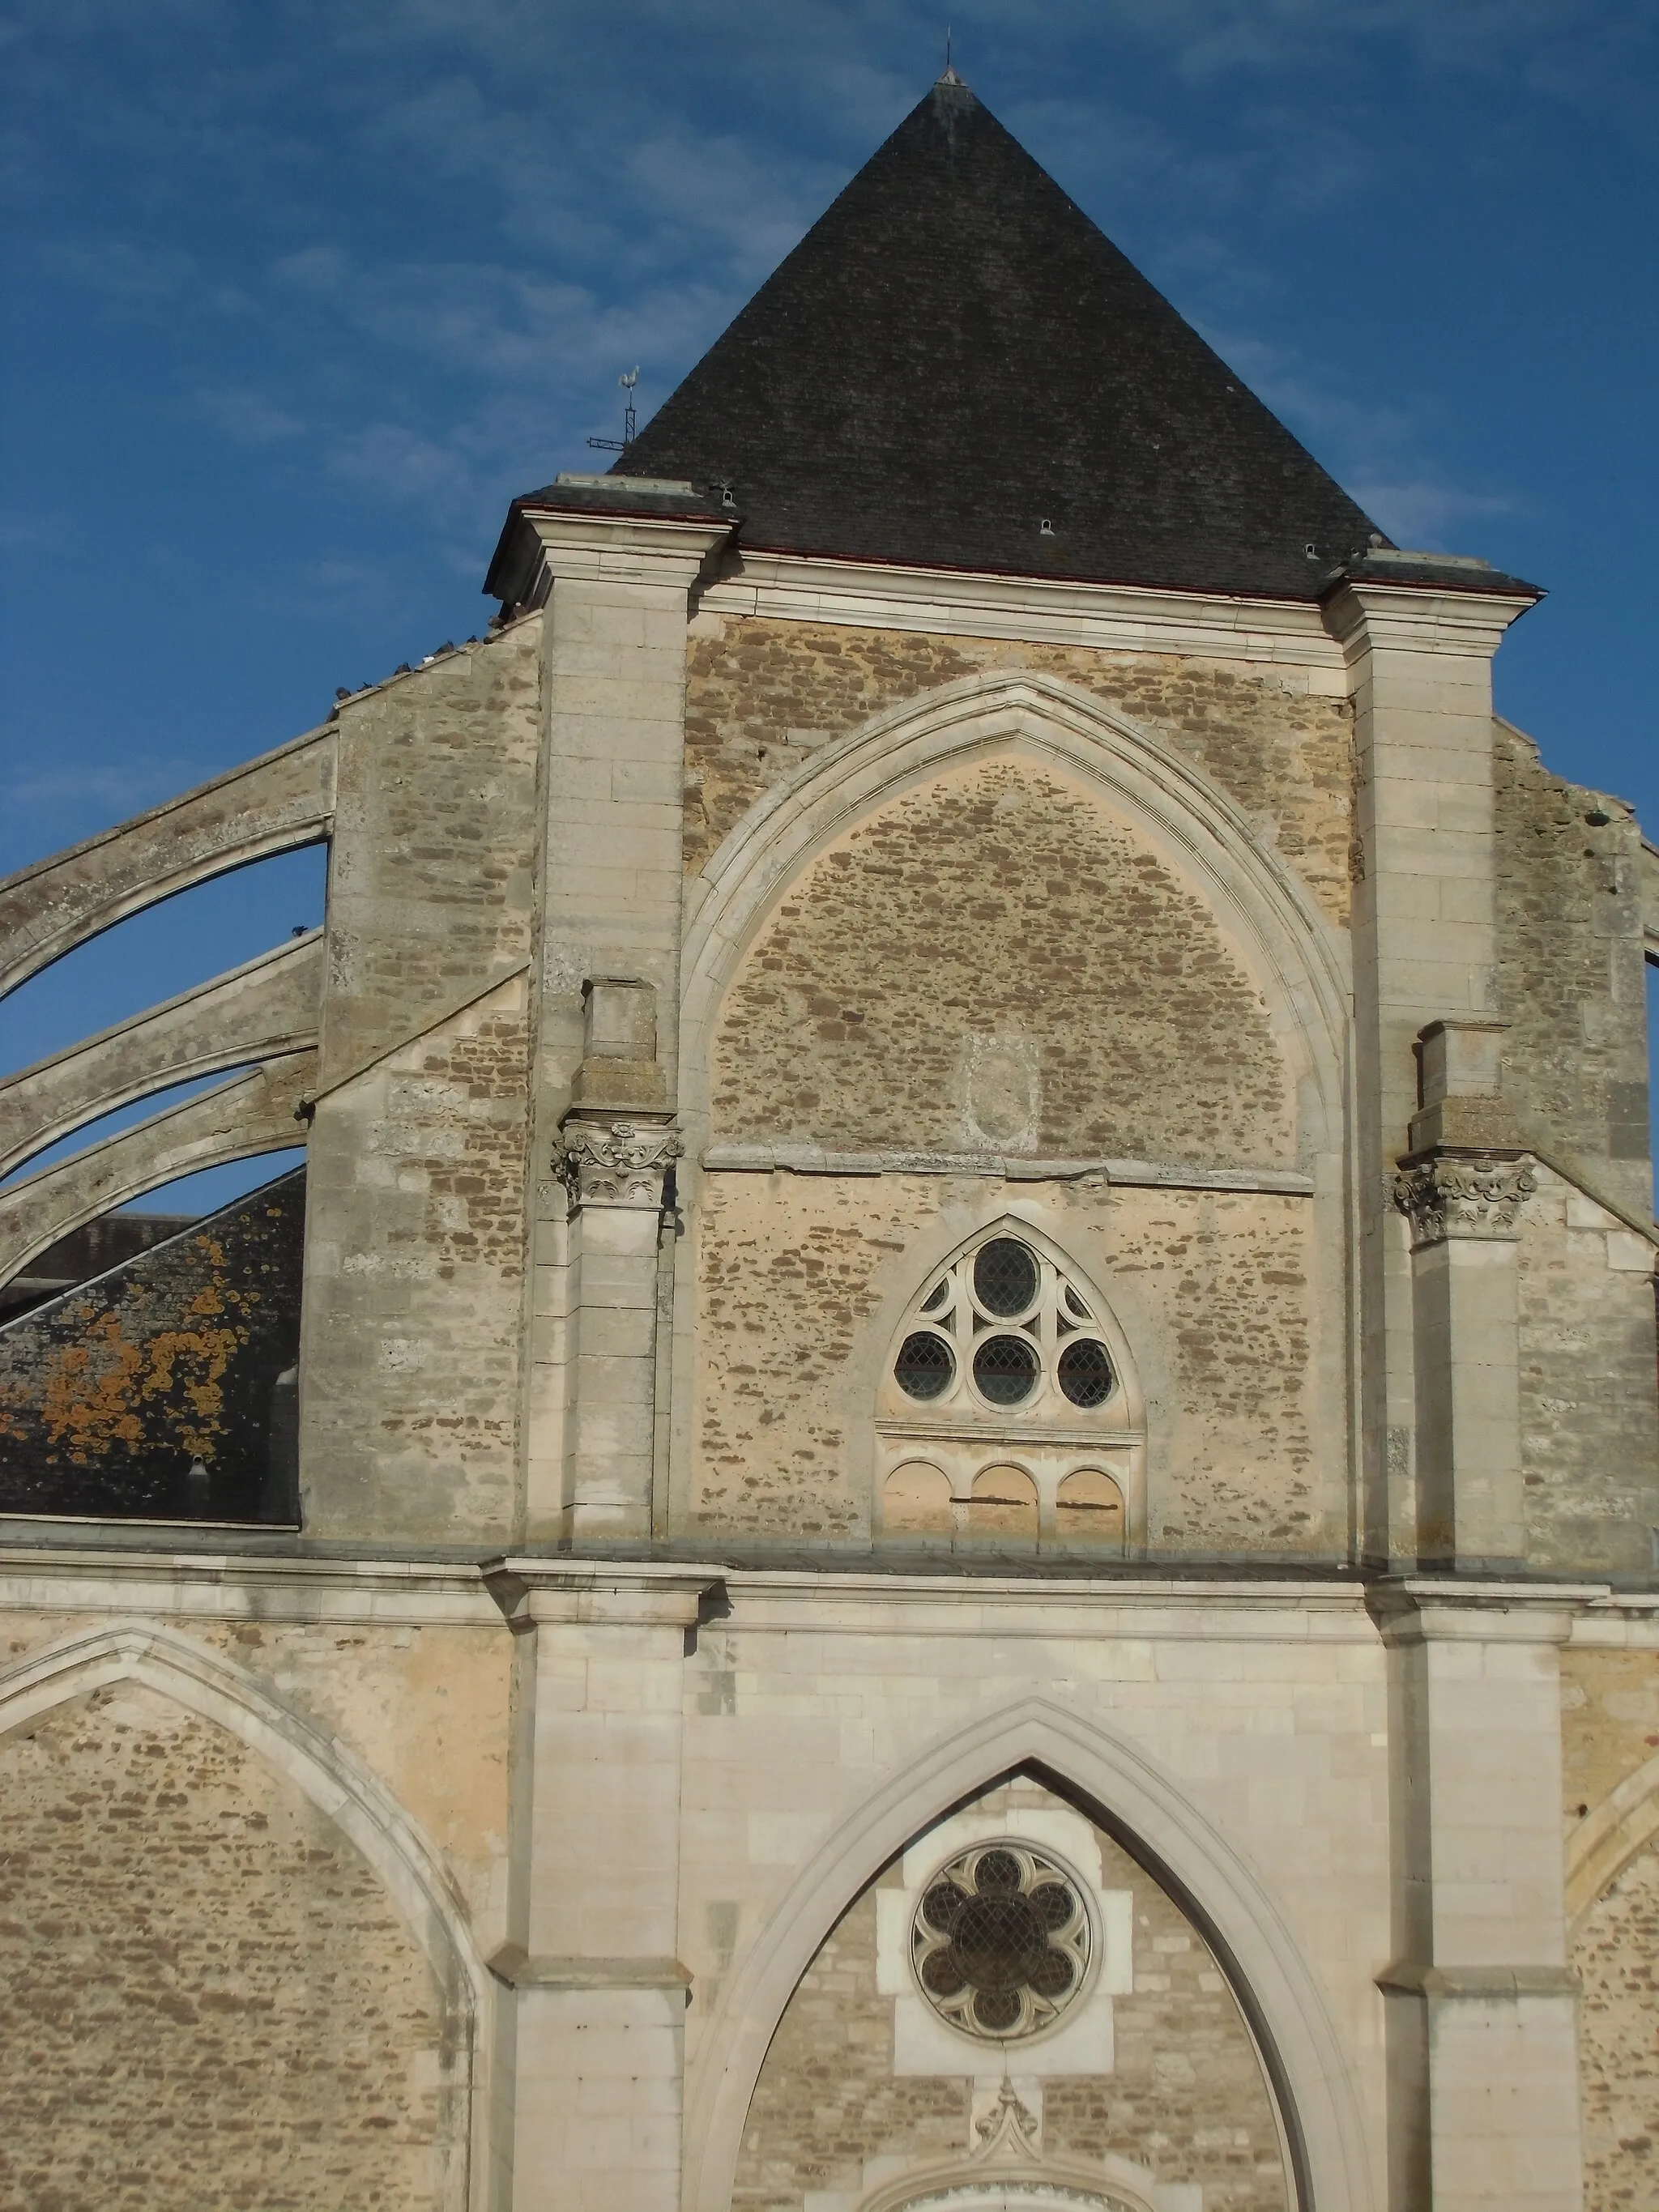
(195,1585)
(1370,617)
(667,551)
(1431,1609)
(951,603)
(1481,1984)
(646,1593)
(522,1969)
(522,1590)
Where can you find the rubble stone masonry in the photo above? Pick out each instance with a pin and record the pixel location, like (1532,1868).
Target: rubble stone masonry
(210,2001)
(760,693)
(997,903)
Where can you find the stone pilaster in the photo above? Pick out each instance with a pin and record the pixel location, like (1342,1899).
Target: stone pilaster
(1425,934)
(594,1994)
(1483,2072)
(618,564)
(1462,1194)
(614,1172)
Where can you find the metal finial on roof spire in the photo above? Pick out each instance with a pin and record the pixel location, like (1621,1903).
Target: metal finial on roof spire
(627,379)
(950,76)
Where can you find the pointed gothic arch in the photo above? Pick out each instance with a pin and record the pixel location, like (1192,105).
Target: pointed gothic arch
(1294,956)
(334,1779)
(1603,1844)
(1118,1786)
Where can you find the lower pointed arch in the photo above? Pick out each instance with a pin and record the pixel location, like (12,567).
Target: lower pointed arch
(341,1788)
(1136,1802)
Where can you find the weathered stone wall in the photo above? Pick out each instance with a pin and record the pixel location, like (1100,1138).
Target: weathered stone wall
(1186,2099)
(997,903)
(799,1278)
(210,1997)
(410,1370)
(151,1391)
(425,1707)
(1571,977)
(1589,1415)
(434,836)
(1610,1731)
(1616,1956)
(410,1360)
(760,693)
(1609,1720)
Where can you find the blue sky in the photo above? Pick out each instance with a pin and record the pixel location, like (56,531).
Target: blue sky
(297,295)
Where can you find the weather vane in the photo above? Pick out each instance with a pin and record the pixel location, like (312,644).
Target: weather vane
(627,379)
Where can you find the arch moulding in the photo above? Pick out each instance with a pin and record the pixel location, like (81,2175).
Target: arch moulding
(334,1779)
(1601,1847)
(1131,1797)
(1294,955)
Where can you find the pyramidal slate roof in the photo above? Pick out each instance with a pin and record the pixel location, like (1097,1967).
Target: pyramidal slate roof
(954,354)
(956,368)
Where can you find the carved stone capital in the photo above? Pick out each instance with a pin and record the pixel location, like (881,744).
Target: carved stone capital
(1467,1195)
(616,1163)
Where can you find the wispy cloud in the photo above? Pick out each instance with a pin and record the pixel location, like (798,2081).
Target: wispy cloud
(106,793)
(245,417)
(1430,517)
(32,533)
(1377,452)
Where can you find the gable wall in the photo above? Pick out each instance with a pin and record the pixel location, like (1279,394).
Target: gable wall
(410,1363)
(761,693)
(1573,989)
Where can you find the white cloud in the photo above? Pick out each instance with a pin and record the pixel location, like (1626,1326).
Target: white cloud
(109,791)
(1429,517)
(245,417)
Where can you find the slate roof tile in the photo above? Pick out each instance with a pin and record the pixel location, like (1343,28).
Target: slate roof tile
(956,356)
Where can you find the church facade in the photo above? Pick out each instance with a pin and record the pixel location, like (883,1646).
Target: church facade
(943,1489)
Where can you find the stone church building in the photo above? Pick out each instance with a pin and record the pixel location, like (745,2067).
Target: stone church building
(940,1492)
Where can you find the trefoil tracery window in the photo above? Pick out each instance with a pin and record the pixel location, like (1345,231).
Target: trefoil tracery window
(1006,1414)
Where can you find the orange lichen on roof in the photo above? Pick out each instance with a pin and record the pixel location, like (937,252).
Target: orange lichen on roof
(96,1391)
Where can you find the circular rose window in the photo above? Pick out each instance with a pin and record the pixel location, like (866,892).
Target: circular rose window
(1001,1942)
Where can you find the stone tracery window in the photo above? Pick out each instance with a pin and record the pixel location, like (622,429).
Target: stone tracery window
(1005,1327)
(1001,1941)
(1006,1414)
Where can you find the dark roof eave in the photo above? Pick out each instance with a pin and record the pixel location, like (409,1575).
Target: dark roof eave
(1040,575)
(509,570)
(1429,575)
